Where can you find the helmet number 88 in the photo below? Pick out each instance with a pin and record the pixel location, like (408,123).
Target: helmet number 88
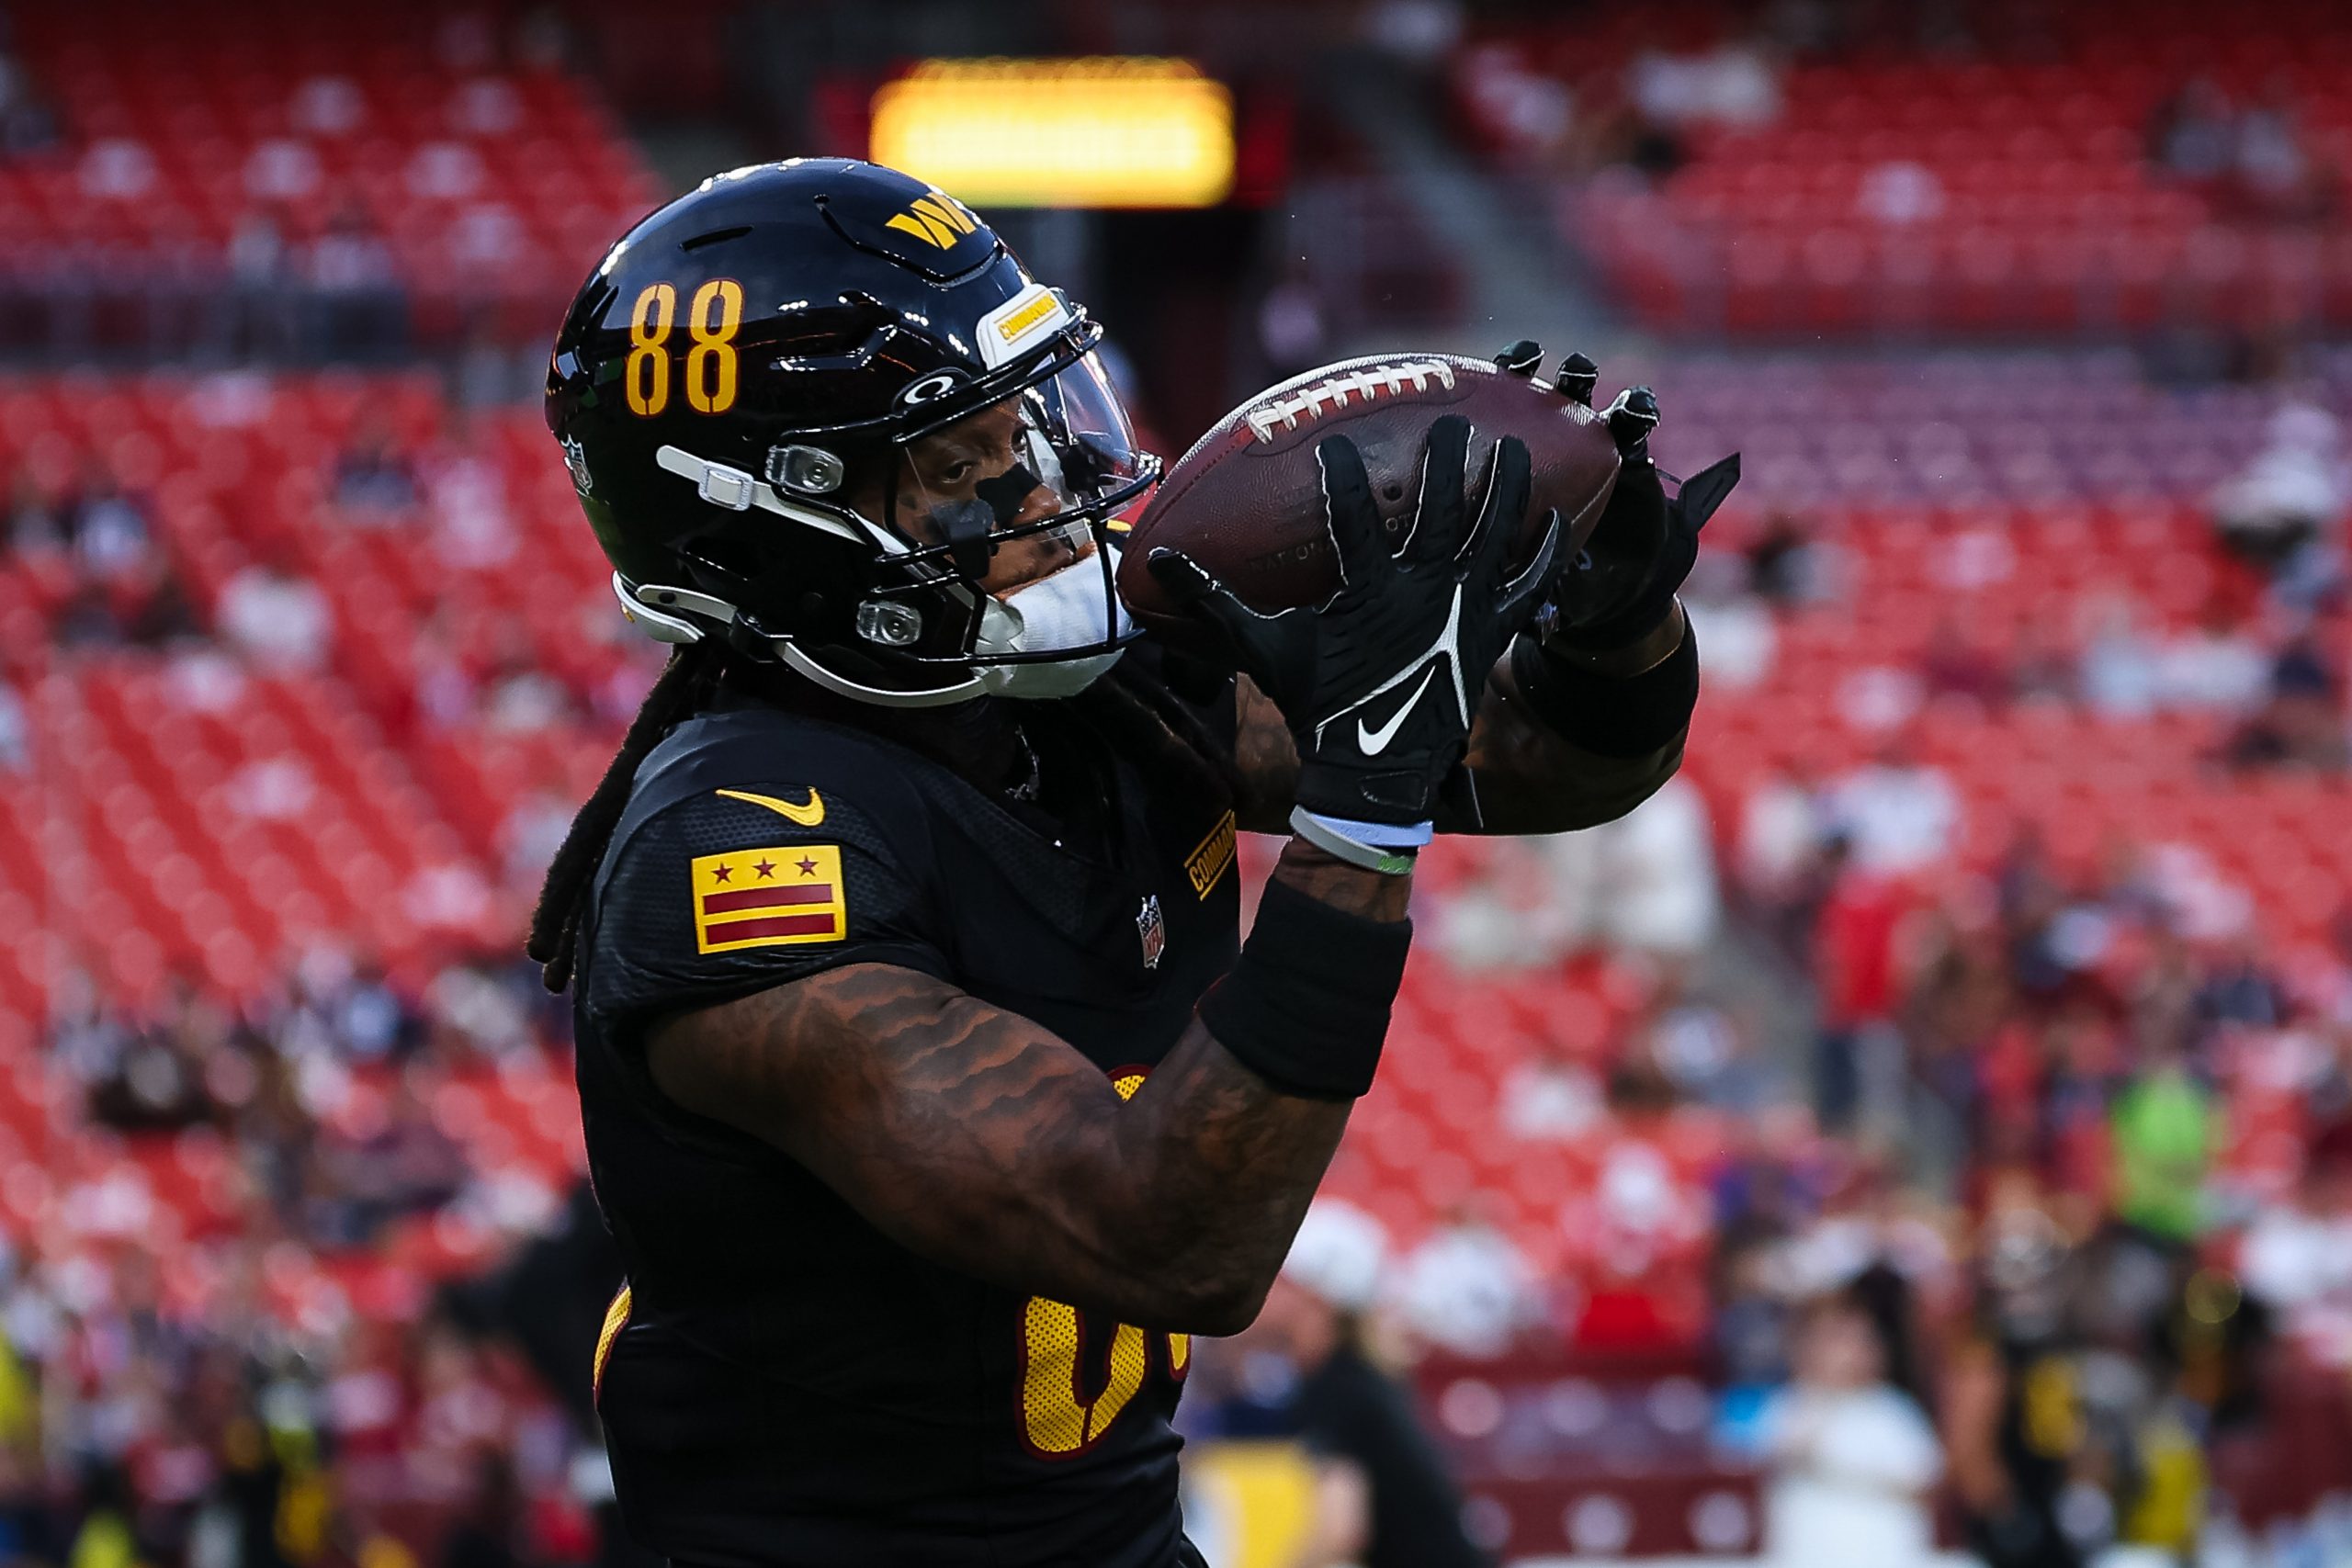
(712,320)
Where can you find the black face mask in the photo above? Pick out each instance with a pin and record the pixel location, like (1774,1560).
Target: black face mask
(967,525)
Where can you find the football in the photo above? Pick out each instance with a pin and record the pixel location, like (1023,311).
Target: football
(1247,503)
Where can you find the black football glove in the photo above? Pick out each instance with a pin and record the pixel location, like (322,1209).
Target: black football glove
(1621,584)
(1380,683)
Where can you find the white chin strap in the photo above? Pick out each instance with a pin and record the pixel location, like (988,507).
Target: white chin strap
(1065,609)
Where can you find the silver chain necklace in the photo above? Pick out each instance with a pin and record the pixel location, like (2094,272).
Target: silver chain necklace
(1026,790)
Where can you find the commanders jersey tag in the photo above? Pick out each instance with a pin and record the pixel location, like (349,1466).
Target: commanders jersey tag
(770,897)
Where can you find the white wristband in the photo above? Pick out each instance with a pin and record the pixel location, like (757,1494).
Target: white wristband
(1386,847)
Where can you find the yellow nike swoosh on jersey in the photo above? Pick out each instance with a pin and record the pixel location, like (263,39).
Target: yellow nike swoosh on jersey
(808,815)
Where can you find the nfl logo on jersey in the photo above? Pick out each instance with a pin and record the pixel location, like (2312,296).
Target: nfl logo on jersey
(1151,930)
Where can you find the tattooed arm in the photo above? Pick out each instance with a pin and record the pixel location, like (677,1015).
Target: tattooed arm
(1528,779)
(981,1141)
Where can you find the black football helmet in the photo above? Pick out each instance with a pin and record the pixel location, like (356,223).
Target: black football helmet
(744,386)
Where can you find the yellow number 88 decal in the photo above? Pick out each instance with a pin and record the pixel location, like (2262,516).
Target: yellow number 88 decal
(1058,1418)
(712,320)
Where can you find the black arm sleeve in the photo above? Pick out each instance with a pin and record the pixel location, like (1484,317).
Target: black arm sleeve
(1604,714)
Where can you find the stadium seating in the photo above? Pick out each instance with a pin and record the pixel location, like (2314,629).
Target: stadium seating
(2006,189)
(491,185)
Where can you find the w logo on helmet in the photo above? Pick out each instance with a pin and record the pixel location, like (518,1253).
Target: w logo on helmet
(935,220)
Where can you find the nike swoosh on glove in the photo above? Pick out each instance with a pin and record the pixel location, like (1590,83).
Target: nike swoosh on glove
(1380,683)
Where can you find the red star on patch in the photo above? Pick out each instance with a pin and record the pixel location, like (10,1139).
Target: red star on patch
(766,868)
(721,874)
(808,867)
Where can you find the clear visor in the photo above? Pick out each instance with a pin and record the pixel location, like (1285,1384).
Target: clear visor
(1013,492)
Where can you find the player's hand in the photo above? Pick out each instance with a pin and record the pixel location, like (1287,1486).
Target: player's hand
(1380,683)
(1620,586)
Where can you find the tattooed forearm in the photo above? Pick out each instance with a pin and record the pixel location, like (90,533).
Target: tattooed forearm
(1344,886)
(1529,780)
(1267,760)
(981,1141)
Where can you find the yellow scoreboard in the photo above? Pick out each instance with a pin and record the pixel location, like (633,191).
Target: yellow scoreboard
(1104,131)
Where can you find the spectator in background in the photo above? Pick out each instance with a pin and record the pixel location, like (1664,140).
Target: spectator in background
(344,1010)
(1788,565)
(1653,881)
(473,527)
(530,836)
(26,123)
(1857,1067)
(2290,500)
(107,527)
(474,1014)
(2117,674)
(1781,829)
(1736,626)
(371,1172)
(522,696)
(1645,881)
(445,692)
(2274,173)
(2167,1131)
(1384,1498)
(39,509)
(154,1079)
(1900,815)
(2239,987)
(2301,722)
(373,482)
(2193,134)
(1852,1458)
(16,731)
(1704,1051)
(1553,1095)
(257,252)
(2215,667)
(144,607)
(1735,85)
(358,307)
(275,617)
(2297,1256)
(1465,1289)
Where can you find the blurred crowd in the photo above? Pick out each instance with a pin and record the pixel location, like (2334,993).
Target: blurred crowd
(266,1373)
(1652,111)
(2252,159)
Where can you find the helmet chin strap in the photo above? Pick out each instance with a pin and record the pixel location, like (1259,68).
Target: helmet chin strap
(1064,609)
(1058,611)
(800,664)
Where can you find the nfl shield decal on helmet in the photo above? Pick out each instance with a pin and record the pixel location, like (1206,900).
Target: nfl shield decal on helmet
(1151,930)
(575,458)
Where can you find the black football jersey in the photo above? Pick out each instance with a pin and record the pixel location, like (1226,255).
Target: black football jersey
(781,1383)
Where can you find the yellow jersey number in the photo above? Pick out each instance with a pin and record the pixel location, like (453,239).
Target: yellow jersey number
(713,318)
(1059,1419)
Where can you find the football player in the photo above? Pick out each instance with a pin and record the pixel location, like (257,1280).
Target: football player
(929,1092)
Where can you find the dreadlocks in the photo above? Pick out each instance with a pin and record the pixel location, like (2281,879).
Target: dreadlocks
(686,684)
